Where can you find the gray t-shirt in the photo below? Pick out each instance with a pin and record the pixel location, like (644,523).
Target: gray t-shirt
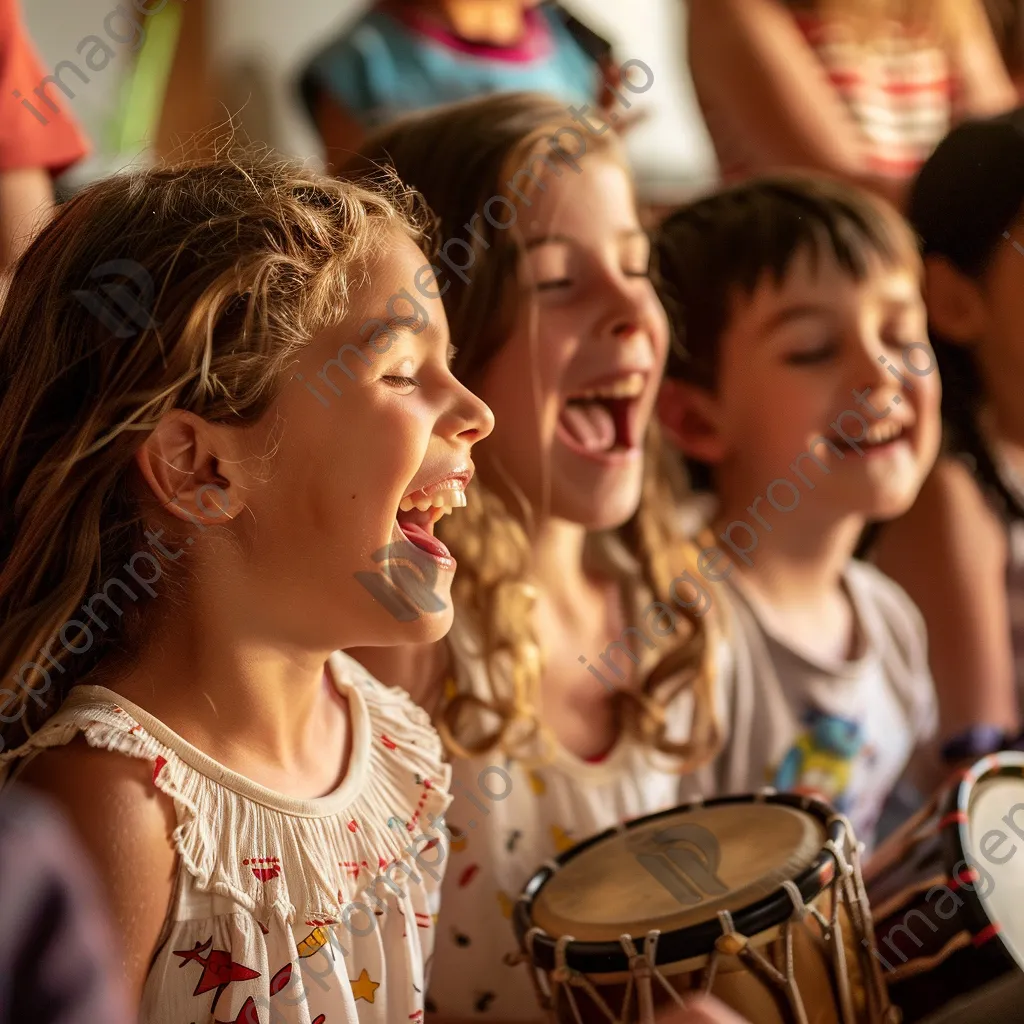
(843,729)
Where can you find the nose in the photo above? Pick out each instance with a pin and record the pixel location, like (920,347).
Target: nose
(624,316)
(472,419)
(872,370)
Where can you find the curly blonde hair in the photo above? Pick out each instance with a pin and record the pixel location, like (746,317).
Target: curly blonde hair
(249,256)
(460,158)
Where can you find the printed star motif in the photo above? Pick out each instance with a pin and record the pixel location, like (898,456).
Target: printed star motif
(219,970)
(563,841)
(363,987)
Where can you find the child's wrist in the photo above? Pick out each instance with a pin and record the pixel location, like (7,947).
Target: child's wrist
(977,741)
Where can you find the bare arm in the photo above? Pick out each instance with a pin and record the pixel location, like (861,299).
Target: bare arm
(26,202)
(342,134)
(949,554)
(761,84)
(125,825)
(987,86)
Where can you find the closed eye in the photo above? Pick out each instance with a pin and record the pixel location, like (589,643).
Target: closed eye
(400,381)
(811,356)
(546,286)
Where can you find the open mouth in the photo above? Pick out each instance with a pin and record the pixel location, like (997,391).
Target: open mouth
(881,439)
(603,420)
(420,510)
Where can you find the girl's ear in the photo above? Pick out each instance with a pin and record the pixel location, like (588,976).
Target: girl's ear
(956,306)
(689,418)
(178,463)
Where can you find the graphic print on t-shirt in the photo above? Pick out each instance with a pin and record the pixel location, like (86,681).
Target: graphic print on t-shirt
(821,761)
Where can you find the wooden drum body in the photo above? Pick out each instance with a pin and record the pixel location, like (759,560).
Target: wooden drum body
(948,891)
(757,900)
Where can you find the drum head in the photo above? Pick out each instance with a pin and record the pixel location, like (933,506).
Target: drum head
(679,870)
(992,835)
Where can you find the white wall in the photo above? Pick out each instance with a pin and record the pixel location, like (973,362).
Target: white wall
(259,46)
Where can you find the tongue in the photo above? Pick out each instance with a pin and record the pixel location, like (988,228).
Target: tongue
(427,541)
(590,424)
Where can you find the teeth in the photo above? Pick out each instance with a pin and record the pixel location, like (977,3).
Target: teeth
(627,387)
(881,433)
(446,500)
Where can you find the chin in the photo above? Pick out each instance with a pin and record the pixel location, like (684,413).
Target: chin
(598,513)
(425,629)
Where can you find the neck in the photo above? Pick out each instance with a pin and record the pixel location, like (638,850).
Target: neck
(497,22)
(557,553)
(239,696)
(798,560)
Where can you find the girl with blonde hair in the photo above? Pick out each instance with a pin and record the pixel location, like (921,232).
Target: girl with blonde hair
(183,532)
(575,688)
(861,89)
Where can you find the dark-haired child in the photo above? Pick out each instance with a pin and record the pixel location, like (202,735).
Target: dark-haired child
(802,391)
(960,551)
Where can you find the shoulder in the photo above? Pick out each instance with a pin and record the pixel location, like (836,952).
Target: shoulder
(343,67)
(887,599)
(950,523)
(724,20)
(899,626)
(111,802)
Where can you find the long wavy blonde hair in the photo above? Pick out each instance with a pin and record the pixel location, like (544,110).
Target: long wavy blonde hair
(248,256)
(458,158)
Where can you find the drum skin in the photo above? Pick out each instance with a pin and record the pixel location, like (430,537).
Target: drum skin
(722,892)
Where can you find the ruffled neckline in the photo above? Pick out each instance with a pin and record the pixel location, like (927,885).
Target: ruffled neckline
(318,807)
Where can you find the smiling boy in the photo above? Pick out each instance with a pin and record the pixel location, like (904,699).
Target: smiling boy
(797,299)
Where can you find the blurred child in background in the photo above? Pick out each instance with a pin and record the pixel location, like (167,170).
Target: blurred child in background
(860,89)
(407,55)
(960,550)
(57,956)
(792,300)
(569,534)
(38,140)
(241,789)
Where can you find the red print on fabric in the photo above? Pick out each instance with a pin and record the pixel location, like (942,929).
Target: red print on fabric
(427,784)
(353,825)
(158,767)
(468,875)
(269,867)
(219,970)
(280,979)
(387,741)
(248,1014)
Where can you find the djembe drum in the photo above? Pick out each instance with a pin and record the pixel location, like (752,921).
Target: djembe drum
(757,900)
(948,896)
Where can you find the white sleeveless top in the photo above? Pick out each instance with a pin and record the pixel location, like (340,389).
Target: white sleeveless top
(288,911)
(509,816)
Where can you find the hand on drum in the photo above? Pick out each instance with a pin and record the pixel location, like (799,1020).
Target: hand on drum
(701,1010)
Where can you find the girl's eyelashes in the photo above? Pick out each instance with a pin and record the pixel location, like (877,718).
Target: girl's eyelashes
(812,356)
(400,381)
(552,284)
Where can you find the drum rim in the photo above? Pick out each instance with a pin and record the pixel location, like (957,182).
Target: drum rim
(955,824)
(695,941)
